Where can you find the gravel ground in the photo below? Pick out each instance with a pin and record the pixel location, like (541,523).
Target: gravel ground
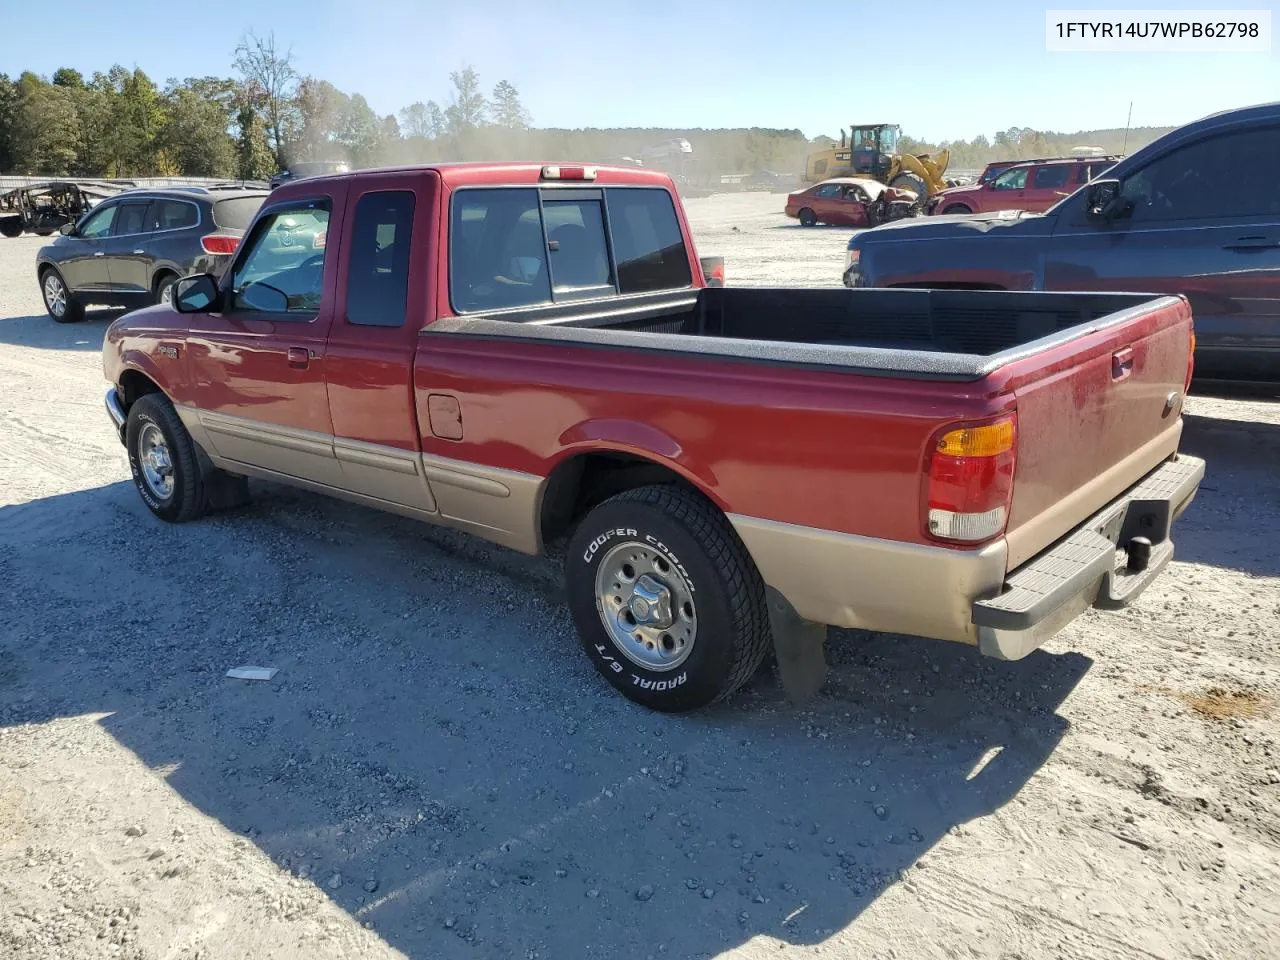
(436,771)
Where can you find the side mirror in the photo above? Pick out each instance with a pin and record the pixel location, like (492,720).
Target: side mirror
(195,293)
(67,229)
(1103,201)
(713,270)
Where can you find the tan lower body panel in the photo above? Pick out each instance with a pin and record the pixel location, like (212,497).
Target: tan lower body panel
(502,506)
(385,473)
(863,583)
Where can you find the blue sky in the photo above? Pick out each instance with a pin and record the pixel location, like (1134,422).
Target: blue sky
(940,69)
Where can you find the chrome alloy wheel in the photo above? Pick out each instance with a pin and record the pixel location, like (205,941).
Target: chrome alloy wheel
(646,606)
(55,294)
(156,463)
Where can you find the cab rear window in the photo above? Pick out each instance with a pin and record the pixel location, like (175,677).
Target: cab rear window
(524,247)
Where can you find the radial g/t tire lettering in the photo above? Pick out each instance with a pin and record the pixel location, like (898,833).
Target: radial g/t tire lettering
(718,631)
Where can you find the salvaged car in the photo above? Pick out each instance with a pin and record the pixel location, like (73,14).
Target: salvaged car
(851,202)
(532,354)
(42,208)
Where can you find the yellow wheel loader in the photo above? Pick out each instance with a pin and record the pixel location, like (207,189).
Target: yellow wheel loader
(872,151)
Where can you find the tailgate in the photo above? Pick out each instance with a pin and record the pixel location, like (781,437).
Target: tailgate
(1104,410)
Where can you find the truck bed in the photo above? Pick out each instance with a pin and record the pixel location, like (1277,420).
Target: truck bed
(1096,380)
(960,335)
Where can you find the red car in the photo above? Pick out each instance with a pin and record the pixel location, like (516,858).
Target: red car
(849,202)
(1035,185)
(532,354)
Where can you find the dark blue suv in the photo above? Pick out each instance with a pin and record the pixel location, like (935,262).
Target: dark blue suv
(128,250)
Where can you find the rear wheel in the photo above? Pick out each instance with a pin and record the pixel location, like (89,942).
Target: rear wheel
(808,218)
(58,301)
(163,289)
(667,603)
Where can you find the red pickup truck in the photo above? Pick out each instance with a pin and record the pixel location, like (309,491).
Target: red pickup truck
(533,354)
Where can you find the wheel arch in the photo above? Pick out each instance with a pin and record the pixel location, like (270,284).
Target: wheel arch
(160,271)
(586,476)
(134,383)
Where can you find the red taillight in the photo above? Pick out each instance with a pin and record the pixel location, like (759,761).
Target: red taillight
(569,173)
(220,244)
(970,481)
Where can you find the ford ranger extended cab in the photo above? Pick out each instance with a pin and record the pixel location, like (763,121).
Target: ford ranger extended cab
(1194,214)
(534,354)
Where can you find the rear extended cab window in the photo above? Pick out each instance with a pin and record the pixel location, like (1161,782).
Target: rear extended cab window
(516,247)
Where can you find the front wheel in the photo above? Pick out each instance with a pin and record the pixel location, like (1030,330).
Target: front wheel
(665,598)
(162,459)
(957,208)
(58,301)
(808,218)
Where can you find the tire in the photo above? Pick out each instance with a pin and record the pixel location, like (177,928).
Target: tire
(956,208)
(44,231)
(718,632)
(58,301)
(163,288)
(808,218)
(11,227)
(909,181)
(154,434)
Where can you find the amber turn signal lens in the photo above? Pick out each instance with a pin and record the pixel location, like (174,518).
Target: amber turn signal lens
(988,440)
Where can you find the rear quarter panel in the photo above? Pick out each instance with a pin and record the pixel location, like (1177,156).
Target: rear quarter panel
(830,450)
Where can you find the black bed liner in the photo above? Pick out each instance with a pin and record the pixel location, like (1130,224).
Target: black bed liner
(927,334)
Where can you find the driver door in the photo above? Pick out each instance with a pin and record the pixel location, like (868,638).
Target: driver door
(258,367)
(83,264)
(1007,191)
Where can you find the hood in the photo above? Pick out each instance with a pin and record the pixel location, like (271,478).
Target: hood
(949,225)
(158,318)
(961,191)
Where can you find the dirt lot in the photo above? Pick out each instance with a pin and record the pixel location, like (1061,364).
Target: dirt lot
(436,771)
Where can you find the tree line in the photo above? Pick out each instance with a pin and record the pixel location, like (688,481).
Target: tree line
(266,115)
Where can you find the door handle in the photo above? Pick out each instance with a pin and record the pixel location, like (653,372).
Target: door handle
(299,357)
(1122,363)
(1251,243)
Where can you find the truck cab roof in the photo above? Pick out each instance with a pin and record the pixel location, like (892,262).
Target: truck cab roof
(491,173)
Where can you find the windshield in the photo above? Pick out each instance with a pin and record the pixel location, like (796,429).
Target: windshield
(882,139)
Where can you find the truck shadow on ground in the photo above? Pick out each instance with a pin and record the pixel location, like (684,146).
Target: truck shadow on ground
(438,756)
(41,332)
(1238,495)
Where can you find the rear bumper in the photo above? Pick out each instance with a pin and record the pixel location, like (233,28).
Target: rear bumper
(115,410)
(1096,565)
